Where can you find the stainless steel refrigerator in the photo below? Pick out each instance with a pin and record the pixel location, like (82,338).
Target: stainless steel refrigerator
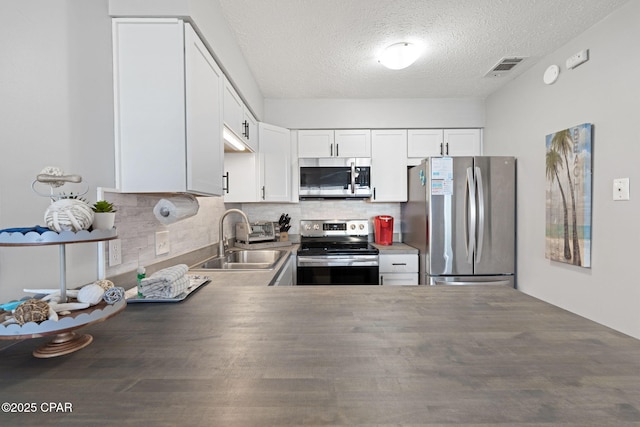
(461,215)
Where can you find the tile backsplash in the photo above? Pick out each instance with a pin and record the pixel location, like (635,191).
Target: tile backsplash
(137,225)
(323,209)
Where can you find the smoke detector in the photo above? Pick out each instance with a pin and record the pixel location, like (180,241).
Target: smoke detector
(505,66)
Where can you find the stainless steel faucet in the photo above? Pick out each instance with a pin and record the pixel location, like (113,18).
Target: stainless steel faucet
(221,232)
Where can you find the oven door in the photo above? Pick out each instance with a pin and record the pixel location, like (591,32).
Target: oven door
(338,270)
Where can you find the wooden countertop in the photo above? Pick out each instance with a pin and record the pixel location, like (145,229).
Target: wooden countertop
(368,355)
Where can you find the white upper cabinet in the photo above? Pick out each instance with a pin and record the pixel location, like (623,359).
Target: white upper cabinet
(275,163)
(389,165)
(334,143)
(238,118)
(265,176)
(316,143)
(250,128)
(353,143)
(168,118)
(205,152)
(463,142)
(233,108)
(423,143)
(241,181)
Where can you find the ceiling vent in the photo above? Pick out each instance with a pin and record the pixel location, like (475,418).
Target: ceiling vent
(505,66)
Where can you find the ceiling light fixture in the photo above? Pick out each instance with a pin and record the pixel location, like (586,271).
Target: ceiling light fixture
(233,140)
(399,55)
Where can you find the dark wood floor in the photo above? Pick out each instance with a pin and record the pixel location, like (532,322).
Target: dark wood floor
(367,356)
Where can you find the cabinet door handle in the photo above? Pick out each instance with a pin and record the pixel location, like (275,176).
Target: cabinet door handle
(399,263)
(263,192)
(447,148)
(331,150)
(226,178)
(246,129)
(337,150)
(441,149)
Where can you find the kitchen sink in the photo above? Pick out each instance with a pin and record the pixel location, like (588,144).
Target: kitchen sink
(262,259)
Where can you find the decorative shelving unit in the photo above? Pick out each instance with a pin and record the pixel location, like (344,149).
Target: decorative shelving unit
(65,341)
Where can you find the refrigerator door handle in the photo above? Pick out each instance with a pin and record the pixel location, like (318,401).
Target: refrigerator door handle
(470,215)
(481,213)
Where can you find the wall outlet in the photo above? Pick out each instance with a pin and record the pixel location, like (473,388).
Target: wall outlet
(162,242)
(621,189)
(115,252)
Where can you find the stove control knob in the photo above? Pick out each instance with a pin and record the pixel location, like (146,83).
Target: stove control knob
(361,227)
(353,226)
(316,226)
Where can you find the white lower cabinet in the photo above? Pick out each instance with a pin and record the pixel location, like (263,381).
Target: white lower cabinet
(168,116)
(398,269)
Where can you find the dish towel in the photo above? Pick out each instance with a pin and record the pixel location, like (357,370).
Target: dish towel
(166,283)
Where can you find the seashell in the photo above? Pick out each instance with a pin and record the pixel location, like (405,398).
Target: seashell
(90,293)
(54,171)
(69,215)
(32,310)
(104,284)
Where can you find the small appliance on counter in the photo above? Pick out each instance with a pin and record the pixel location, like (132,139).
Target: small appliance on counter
(260,232)
(384,229)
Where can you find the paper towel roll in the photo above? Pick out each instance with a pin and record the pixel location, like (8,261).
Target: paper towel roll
(174,209)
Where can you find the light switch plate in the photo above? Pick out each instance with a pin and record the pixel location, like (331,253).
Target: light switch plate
(621,189)
(162,242)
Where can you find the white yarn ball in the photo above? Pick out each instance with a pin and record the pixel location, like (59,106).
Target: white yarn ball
(69,215)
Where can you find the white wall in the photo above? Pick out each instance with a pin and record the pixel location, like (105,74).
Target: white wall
(56,105)
(375,113)
(604,91)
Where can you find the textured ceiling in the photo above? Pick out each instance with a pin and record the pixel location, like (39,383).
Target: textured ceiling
(328,48)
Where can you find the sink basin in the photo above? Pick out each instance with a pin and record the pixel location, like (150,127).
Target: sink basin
(242,260)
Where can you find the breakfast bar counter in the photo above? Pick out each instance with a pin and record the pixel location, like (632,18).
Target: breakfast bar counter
(333,355)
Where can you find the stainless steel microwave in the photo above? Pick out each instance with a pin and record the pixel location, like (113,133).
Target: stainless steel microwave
(337,178)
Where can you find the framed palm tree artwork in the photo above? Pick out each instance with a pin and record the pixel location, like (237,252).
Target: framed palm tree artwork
(568,194)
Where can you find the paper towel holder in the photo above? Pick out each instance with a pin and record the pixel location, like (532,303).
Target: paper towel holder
(176,208)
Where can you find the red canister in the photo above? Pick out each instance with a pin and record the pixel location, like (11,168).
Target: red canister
(384,229)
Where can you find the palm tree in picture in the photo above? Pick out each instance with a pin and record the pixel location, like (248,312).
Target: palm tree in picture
(561,143)
(553,163)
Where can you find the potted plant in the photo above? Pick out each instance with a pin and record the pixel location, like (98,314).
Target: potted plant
(104,215)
